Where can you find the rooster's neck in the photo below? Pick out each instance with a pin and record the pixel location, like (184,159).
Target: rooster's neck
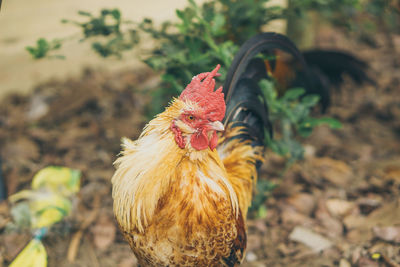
(151,165)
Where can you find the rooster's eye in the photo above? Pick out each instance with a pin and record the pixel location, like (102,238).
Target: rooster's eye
(190,117)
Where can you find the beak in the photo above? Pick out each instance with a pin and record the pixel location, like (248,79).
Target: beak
(217,126)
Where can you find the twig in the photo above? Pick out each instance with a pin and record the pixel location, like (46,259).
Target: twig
(92,254)
(389,262)
(3,192)
(76,238)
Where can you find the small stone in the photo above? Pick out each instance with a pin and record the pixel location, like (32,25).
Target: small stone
(251,256)
(339,207)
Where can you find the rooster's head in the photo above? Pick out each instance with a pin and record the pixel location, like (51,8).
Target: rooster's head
(201,116)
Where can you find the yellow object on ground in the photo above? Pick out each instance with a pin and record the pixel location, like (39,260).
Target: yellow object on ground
(49,202)
(58,179)
(33,255)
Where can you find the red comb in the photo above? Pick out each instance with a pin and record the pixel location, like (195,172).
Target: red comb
(202,92)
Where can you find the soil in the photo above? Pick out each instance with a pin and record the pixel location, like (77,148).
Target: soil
(340,206)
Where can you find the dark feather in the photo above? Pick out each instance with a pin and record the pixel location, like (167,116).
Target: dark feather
(333,64)
(238,246)
(317,71)
(255,70)
(326,69)
(244,99)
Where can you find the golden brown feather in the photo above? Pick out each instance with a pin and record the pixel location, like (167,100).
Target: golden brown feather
(180,207)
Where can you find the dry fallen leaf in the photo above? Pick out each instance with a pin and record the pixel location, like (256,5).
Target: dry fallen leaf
(290,216)
(21,149)
(302,202)
(284,249)
(388,233)
(339,207)
(128,262)
(313,240)
(333,227)
(13,244)
(344,263)
(367,262)
(354,221)
(104,232)
(387,215)
(253,242)
(319,170)
(335,171)
(369,204)
(393,173)
(259,224)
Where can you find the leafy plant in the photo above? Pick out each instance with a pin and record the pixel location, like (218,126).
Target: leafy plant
(263,189)
(107,25)
(44,47)
(203,37)
(291,115)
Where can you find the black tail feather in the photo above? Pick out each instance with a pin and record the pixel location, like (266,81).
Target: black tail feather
(333,64)
(255,70)
(317,71)
(245,101)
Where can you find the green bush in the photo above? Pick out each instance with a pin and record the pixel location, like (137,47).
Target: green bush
(291,117)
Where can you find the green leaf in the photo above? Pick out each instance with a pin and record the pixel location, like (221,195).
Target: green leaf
(262,211)
(116,14)
(267,87)
(293,94)
(217,24)
(180,14)
(305,128)
(84,13)
(43,47)
(331,122)
(310,100)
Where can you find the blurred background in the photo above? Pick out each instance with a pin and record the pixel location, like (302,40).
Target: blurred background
(22,22)
(76,76)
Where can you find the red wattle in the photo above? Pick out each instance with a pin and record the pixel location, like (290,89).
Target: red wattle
(214,141)
(180,141)
(199,141)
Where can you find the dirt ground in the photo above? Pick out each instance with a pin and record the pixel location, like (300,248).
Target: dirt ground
(340,206)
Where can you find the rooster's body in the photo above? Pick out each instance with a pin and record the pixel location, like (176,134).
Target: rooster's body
(181,191)
(178,204)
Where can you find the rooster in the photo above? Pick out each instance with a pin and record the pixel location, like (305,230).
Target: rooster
(181,191)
